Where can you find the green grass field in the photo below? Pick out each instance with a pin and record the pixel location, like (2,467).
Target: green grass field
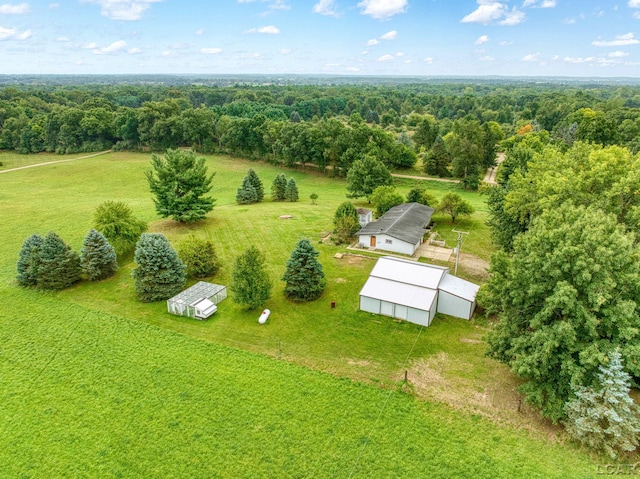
(96,384)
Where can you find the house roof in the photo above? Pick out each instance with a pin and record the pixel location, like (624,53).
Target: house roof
(405,222)
(363,211)
(196,293)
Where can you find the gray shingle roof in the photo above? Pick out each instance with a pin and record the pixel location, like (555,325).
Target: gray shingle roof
(405,222)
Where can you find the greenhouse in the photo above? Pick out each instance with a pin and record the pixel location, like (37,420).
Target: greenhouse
(199,301)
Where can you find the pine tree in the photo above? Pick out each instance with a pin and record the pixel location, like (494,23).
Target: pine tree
(179,181)
(304,276)
(605,419)
(29,260)
(278,187)
(98,258)
(160,274)
(250,284)
(246,193)
(438,159)
(291,193)
(59,265)
(256,183)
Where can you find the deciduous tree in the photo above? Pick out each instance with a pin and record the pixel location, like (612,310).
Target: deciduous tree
(384,198)
(566,297)
(365,175)
(115,220)
(250,283)
(199,255)
(454,205)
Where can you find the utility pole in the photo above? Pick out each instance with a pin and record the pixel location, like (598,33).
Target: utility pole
(460,236)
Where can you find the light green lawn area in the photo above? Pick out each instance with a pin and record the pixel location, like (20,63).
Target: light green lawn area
(93,379)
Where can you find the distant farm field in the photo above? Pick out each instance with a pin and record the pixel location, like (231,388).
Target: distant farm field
(96,384)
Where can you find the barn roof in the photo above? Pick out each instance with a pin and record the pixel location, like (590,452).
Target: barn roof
(405,222)
(409,272)
(399,293)
(197,292)
(459,287)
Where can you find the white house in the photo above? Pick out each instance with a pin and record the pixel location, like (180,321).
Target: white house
(399,230)
(416,291)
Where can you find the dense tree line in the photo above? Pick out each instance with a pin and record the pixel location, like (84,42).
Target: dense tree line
(454,127)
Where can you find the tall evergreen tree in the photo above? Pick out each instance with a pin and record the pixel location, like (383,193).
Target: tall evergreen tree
(605,418)
(250,284)
(29,260)
(256,182)
(98,259)
(180,183)
(246,193)
(304,276)
(59,265)
(278,187)
(437,159)
(160,274)
(291,193)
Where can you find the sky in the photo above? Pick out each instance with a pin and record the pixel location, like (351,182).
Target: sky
(577,38)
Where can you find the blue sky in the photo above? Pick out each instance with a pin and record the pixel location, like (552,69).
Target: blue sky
(343,37)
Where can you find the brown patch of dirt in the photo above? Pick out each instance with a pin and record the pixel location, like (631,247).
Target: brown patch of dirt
(360,362)
(444,379)
(355,258)
(340,280)
(471,341)
(474,265)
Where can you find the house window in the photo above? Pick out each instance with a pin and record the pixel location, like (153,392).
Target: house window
(388,241)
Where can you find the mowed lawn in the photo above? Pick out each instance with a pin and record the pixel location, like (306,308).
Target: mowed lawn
(96,384)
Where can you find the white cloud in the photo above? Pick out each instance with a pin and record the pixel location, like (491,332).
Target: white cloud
(634,3)
(389,35)
(250,56)
(539,4)
(270,29)
(115,47)
(123,9)
(13,34)
(285,51)
(489,11)
(372,42)
(569,21)
(620,40)
(352,69)
(211,51)
(505,44)
(579,59)
(134,51)
(382,9)
(636,15)
(54,5)
(18,9)
(90,45)
(482,39)
(325,7)
(400,54)
(531,57)
(385,58)
(200,31)
(279,5)
(168,54)
(513,17)
(428,60)
(486,58)
(63,39)
(618,54)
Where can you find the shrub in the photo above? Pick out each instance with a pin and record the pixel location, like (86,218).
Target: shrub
(115,220)
(200,257)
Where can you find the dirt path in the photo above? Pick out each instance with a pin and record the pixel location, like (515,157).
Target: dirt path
(425,178)
(54,162)
(490,177)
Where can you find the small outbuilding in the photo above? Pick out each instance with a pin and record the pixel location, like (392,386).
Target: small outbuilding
(365,216)
(199,301)
(415,292)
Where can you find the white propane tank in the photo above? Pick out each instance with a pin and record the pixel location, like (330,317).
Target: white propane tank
(264,316)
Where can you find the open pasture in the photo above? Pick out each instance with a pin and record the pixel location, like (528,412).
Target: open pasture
(94,383)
